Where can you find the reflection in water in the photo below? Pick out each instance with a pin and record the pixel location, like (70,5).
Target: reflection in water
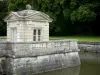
(67,71)
(90,65)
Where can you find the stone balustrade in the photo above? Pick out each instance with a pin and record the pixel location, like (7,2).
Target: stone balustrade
(20,49)
(43,48)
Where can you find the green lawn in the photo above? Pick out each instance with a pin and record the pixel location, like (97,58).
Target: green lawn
(3,36)
(79,38)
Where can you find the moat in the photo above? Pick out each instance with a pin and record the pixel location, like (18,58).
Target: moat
(90,65)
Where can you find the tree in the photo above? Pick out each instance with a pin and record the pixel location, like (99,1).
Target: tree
(16,5)
(3,13)
(69,16)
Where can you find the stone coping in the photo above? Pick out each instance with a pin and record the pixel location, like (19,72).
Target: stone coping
(92,43)
(68,40)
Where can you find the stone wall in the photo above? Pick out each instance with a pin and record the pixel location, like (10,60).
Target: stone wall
(89,46)
(3,39)
(31,65)
(26,58)
(25,30)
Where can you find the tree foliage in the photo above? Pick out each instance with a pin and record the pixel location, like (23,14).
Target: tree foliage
(69,16)
(83,13)
(20,4)
(3,13)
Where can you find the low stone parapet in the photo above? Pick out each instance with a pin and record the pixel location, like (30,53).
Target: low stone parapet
(35,57)
(19,49)
(3,39)
(89,46)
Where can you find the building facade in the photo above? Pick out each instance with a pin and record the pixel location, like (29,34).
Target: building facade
(27,26)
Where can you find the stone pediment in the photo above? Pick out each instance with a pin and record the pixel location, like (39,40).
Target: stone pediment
(38,17)
(11,16)
(26,15)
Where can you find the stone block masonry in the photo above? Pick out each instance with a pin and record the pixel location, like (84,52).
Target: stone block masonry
(89,46)
(27,58)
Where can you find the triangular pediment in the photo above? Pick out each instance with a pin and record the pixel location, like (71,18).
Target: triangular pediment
(39,17)
(11,16)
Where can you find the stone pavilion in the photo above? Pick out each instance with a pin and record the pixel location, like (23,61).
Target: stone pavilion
(27,26)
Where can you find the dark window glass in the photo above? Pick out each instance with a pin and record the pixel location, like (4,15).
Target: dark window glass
(39,32)
(34,32)
(34,38)
(38,38)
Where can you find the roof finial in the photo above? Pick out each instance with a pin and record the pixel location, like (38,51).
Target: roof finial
(28,7)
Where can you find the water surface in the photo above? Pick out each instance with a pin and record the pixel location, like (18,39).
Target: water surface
(90,65)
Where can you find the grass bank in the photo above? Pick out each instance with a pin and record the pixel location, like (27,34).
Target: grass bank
(3,36)
(79,38)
